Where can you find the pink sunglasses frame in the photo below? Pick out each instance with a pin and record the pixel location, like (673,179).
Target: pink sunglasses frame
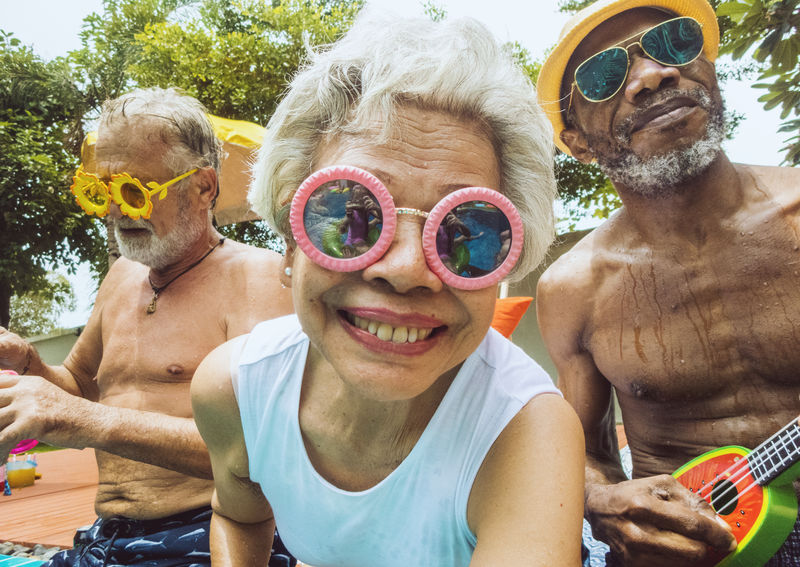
(389,224)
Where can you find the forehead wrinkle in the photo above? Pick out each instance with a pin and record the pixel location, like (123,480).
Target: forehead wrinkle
(130,147)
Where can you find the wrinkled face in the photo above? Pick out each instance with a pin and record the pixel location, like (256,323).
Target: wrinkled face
(173,225)
(666,123)
(392,329)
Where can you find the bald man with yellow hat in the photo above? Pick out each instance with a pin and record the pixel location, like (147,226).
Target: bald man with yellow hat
(686,302)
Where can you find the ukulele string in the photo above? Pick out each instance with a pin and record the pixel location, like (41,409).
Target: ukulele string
(738,471)
(742,464)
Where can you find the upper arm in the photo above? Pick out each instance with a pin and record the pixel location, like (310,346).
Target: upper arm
(217,415)
(563,304)
(526,505)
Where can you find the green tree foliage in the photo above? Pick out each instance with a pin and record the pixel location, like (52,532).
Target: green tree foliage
(237,56)
(40,128)
(33,313)
(109,46)
(768,29)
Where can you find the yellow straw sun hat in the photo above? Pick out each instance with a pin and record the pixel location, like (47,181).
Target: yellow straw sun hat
(581,24)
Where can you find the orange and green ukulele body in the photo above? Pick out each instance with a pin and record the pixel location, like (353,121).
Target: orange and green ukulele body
(752,492)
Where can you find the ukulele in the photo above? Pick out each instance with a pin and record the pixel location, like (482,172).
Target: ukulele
(752,492)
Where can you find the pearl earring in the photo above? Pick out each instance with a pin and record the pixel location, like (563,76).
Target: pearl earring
(288,271)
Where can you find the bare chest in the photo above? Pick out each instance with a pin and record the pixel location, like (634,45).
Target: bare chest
(674,325)
(149,358)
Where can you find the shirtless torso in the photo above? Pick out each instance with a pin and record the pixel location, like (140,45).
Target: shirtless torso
(694,331)
(139,366)
(688,308)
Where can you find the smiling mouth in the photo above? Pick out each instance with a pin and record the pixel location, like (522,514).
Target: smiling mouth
(386,332)
(663,109)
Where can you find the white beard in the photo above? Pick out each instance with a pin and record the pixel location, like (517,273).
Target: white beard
(664,175)
(154,251)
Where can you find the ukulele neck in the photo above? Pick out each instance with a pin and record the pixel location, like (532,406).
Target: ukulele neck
(775,455)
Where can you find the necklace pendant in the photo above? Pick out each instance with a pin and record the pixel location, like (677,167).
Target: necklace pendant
(152,307)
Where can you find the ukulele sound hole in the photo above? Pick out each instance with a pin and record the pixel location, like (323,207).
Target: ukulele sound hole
(724,497)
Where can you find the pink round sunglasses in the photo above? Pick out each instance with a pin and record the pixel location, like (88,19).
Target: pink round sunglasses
(344,219)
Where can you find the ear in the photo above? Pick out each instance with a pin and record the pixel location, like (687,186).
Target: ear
(287,262)
(577,144)
(207,184)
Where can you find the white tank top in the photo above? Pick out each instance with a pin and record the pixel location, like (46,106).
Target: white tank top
(417,515)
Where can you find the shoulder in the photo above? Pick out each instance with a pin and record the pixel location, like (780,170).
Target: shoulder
(779,183)
(273,337)
(122,272)
(512,368)
(248,281)
(211,382)
(774,174)
(573,267)
(566,286)
(248,261)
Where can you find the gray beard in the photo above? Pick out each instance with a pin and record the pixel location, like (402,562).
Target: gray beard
(154,251)
(667,174)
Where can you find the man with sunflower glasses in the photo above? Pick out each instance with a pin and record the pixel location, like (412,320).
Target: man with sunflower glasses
(685,302)
(178,291)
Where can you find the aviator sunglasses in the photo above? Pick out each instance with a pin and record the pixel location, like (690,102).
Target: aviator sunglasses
(344,219)
(674,43)
(133,197)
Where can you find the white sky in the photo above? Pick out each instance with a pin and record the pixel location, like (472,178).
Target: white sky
(52,27)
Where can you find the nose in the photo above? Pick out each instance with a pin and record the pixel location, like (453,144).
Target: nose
(646,75)
(114,211)
(403,266)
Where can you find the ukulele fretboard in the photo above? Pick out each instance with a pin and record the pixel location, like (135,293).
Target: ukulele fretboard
(776,454)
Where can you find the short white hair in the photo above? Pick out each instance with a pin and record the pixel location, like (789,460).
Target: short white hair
(384,63)
(185,126)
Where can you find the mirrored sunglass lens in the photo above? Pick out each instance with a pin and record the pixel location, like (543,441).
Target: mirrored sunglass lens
(473,239)
(600,76)
(676,42)
(343,219)
(132,195)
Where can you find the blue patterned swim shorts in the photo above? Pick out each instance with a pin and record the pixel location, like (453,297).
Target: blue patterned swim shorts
(177,541)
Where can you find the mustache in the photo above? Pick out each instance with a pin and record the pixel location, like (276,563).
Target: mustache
(128,223)
(624,129)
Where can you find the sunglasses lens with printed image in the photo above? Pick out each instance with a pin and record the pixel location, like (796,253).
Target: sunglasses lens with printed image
(473,239)
(343,219)
(674,43)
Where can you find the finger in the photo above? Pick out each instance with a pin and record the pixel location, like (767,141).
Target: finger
(689,516)
(653,547)
(8,380)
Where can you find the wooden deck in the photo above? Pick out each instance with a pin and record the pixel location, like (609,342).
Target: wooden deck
(56,505)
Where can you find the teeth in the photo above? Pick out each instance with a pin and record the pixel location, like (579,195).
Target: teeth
(385,332)
(400,335)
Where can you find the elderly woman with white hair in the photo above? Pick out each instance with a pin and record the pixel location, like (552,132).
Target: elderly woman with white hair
(385,424)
